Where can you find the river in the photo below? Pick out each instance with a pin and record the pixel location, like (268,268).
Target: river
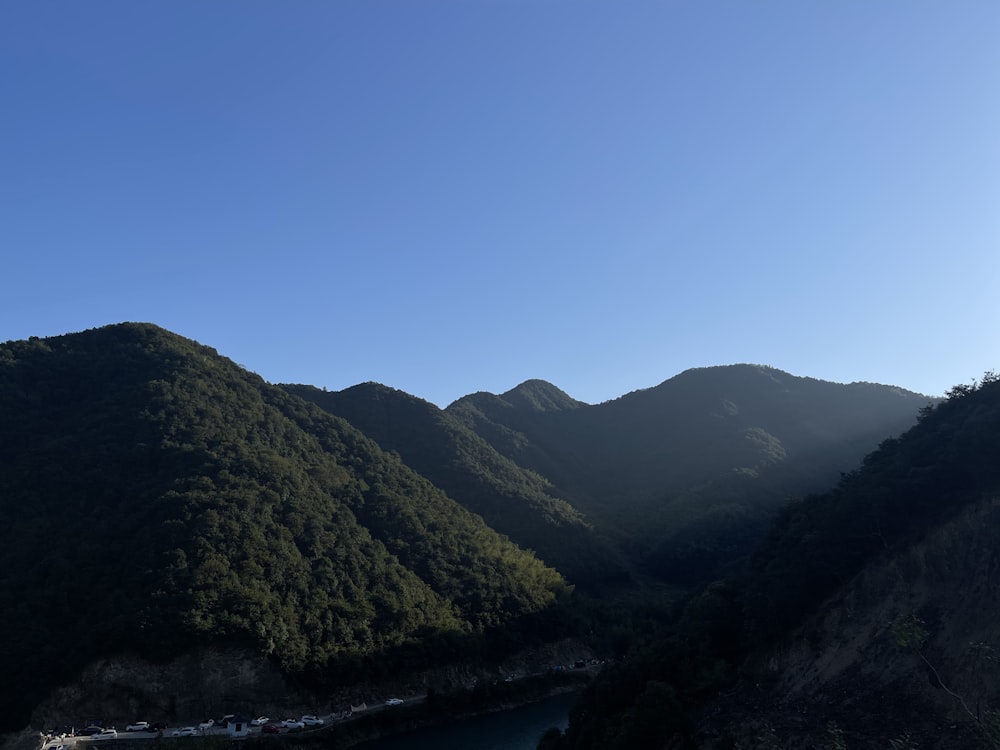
(515,729)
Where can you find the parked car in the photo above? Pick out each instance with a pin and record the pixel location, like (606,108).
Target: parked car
(207,724)
(259,721)
(139,726)
(184,732)
(311,721)
(270,729)
(292,724)
(105,734)
(394,702)
(88,731)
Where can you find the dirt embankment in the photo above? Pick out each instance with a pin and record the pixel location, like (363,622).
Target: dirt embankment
(851,671)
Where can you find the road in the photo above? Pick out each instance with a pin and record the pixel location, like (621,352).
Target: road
(71,741)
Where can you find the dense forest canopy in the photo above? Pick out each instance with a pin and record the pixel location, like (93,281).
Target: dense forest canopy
(171,497)
(515,501)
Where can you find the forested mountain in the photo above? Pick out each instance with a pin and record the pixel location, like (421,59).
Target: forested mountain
(158,499)
(154,496)
(688,474)
(512,500)
(694,428)
(681,479)
(867,617)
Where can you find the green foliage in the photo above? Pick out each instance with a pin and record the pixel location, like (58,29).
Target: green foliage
(990,728)
(512,500)
(834,739)
(171,498)
(910,633)
(767,739)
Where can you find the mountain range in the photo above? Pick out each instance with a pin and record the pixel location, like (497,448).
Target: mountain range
(866,618)
(157,499)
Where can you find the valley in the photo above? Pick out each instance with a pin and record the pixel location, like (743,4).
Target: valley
(284,549)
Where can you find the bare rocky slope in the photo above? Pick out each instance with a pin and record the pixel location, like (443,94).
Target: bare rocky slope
(907,652)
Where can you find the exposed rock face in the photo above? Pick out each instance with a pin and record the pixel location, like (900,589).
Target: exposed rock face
(196,686)
(852,666)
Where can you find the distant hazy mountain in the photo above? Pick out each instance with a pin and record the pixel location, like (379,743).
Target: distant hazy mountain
(690,471)
(690,429)
(866,619)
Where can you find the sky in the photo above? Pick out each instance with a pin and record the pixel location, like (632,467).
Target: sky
(451,196)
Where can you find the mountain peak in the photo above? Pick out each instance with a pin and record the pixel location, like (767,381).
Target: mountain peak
(540,395)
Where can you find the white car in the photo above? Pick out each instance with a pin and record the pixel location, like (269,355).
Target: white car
(292,724)
(311,721)
(207,724)
(105,734)
(394,702)
(139,726)
(259,721)
(184,732)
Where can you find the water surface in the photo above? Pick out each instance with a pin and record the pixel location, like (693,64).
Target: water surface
(516,729)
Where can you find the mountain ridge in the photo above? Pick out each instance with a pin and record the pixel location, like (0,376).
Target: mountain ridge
(332,533)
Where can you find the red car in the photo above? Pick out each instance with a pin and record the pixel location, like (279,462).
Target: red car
(270,729)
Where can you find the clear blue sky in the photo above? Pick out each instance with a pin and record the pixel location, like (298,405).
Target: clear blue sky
(455,196)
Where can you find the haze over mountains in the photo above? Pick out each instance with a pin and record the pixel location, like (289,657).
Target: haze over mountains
(866,619)
(176,502)
(708,454)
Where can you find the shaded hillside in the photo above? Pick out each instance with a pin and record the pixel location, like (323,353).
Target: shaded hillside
(510,499)
(906,486)
(688,474)
(155,497)
(865,617)
(524,424)
(906,649)
(873,607)
(693,428)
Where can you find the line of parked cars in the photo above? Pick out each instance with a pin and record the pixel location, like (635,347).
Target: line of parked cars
(269,727)
(96,732)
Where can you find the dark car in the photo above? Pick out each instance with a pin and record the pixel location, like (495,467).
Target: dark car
(89,731)
(270,729)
